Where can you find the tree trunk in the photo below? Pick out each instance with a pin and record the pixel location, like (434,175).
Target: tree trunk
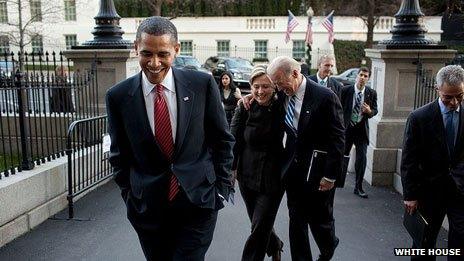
(371,21)
(154,6)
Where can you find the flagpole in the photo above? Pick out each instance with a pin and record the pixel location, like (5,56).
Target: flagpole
(310,14)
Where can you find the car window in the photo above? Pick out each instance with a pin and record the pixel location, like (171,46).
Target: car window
(352,74)
(239,63)
(190,61)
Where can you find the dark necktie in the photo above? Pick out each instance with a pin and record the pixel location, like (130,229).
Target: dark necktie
(163,136)
(450,131)
(356,109)
(291,114)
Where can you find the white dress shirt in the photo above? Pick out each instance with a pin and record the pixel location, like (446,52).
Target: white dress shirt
(169,91)
(326,79)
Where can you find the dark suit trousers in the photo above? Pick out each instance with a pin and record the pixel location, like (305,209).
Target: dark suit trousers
(433,207)
(354,136)
(309,206)
(180,231)
(262,210)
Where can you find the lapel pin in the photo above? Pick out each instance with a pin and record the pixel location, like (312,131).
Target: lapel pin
(307,111)
(186,98)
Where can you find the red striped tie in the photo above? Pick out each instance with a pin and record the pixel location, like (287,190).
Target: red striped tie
(163,136)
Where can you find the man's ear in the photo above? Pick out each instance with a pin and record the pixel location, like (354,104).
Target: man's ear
(295,73)
(136,47)
(177,48)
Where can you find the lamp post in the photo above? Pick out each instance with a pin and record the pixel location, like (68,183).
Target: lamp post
(107,32)
(409,31)
(310,14)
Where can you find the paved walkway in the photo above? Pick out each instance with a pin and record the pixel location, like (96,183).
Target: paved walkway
(368,229)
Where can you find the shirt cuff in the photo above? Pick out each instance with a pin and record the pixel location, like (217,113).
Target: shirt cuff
(329,180)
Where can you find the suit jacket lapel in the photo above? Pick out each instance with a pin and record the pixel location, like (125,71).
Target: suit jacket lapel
(460,139)
(349,103)
(437,123)
(139,116)
(305,113)
(185,99)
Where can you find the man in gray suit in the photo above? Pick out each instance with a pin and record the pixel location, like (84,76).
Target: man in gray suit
(170,148)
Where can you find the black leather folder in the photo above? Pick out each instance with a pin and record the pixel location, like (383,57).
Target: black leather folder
(415,224)
(317,168)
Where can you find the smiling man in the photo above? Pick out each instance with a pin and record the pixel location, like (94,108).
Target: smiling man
(170,148)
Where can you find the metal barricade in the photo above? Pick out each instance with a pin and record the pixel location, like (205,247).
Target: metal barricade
(87,153)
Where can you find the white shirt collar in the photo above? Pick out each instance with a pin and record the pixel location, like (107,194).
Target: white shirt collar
(301,89)
(168,83)
(356,90)
(319,78)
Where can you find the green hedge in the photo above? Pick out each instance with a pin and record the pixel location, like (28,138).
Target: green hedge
(348,54)
(459,48)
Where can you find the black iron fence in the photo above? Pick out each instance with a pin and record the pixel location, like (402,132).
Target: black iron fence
(262,54)
(425,91)
(39,97)
(87,151)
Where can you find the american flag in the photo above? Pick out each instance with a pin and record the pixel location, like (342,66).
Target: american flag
(328,24)
(309,33)
(292,23)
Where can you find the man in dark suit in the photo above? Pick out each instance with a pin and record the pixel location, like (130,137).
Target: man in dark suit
(313,121)
(170,148)
(359,105)
(325,65)
(431,166)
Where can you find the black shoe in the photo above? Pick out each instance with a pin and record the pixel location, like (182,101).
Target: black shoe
(360,193)
(327,257)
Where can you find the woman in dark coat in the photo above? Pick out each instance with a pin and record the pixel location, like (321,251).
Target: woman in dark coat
(258,133)
(230,94)
(61,90)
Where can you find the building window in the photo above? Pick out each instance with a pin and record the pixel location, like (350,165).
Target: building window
(37,44)
(69,10)
(261,49)
(186,48)
(36,10)
(71,40)
(3,12)
(223,48)
(4,44)
(299,49)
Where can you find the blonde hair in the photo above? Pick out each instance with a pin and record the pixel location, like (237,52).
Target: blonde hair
(257,71)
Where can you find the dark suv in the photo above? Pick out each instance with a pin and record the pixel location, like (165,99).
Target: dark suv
(240,69)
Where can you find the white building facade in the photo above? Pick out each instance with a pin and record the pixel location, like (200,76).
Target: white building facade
(253,38)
